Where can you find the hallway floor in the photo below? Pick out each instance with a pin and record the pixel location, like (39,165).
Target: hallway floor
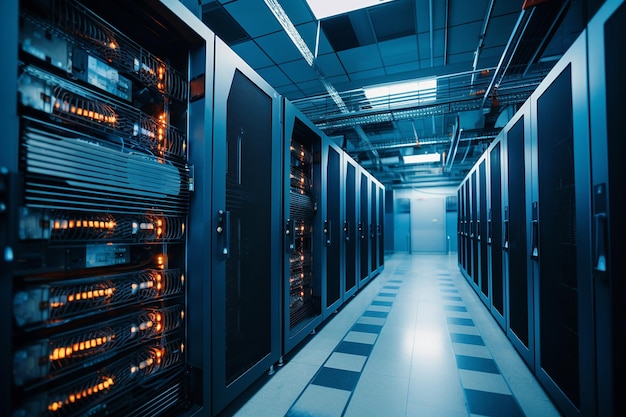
(416,341)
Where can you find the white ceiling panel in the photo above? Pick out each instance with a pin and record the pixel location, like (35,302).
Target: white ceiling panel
(463,11)
(403,68)
(365,75)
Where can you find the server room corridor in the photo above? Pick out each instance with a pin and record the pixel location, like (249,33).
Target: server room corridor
(416,341)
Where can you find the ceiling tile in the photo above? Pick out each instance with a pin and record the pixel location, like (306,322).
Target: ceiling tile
(254,16)
(330,65)
(501,7)
(393,20)
(252,54)
(462,11)
(274,76)
(298,71)
(463,38)
(363,75)
(308,31)
(297,11)
(400,68)
(467,57)
(360,59)
(500,29)
(279,47)
(399,51)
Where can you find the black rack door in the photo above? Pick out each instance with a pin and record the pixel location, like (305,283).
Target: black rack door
(519,283)
(482,232)
(349,235)
(494,233)
(559,225)
(608,153)
(246,224)
(335,281)
(363,229)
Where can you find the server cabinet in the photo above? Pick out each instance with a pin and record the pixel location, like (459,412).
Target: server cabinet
(467,245)
(302,271)
(474,244)
(380,229)
(481,232)
(98,209)
(459,227)
(373,202)
(332,228)
(607,88)
(559,224)
(350,232)
(518,278)
(246,227)
(363,229)
(494,233)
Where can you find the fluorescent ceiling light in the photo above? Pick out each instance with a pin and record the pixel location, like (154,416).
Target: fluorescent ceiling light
(421,159)
(327,8)
(404,94)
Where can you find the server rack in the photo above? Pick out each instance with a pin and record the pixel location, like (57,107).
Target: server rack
(559,222)
(96,183)
(364,228)
(607,89)
(332,229)
(246,227)
(373,201)
(302,283)
(350,235)
(481,232)
(519,281)
(380,227)
(497,287)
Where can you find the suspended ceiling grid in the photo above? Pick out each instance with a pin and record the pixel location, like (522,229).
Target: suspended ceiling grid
(460,42)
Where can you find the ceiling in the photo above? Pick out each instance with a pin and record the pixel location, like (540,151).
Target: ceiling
(487,57)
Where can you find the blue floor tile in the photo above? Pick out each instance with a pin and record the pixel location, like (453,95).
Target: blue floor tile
(455,308)
(397,281)
(336,378)
(392,287)
(451,298)
(380,314)
(446,284)
(354,348)
(472,363)
(448,290)
(468,339)
(386,294)
(382,303)
(492,404)
(366,328)
(460,321)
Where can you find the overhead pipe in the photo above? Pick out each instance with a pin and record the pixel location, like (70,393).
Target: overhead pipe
(481,39)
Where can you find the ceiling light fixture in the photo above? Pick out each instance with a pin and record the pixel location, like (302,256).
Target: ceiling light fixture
(328,8)
(422,158)
(405,94)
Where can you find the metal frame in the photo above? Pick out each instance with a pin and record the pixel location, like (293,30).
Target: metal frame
(350,228)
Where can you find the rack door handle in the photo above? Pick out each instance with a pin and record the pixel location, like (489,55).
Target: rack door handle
(505,244)
(534,233)
(346,230)
(223,232)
